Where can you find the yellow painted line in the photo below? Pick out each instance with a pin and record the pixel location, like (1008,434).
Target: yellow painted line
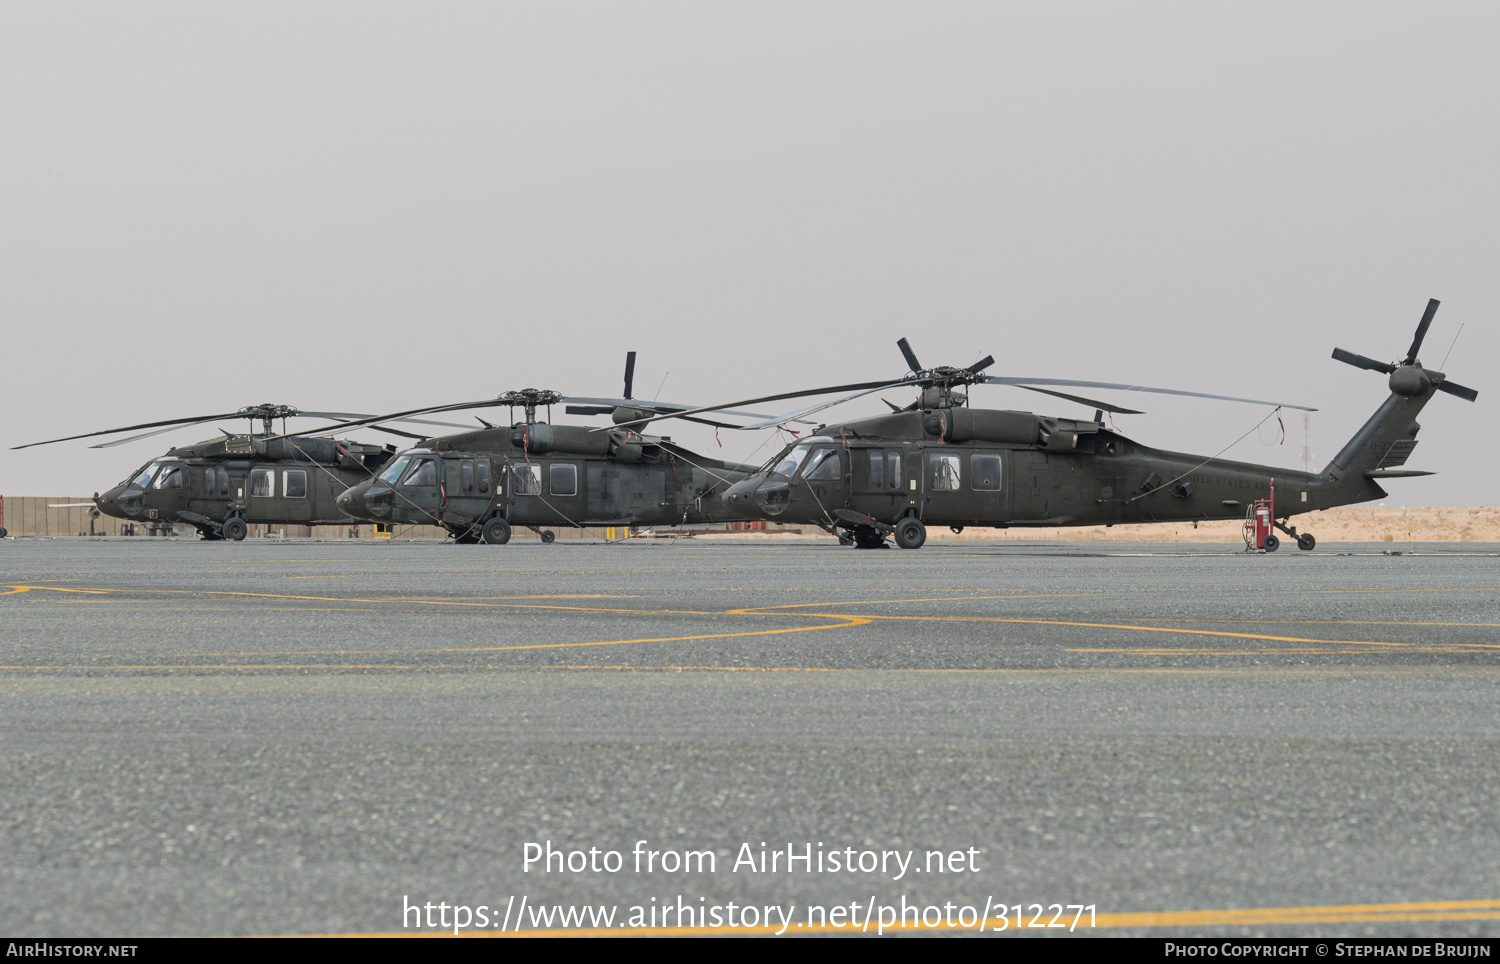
(1337,913)
(1267,916)
(581,667)
(1138,629)
(1323,622)
(16,589)
(1221,590)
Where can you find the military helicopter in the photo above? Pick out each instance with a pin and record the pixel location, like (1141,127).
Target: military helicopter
(481,484)
(940,462)
(223,486)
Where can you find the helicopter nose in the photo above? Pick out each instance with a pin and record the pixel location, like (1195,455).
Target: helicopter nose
(119,502)
(352,503)
(740,497)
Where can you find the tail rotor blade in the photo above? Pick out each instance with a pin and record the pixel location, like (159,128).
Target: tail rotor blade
(911,358)
(1360,361)
(1422,326)
(629,372)
(1467,394)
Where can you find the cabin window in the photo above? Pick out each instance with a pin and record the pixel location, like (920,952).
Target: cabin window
(482,467)
(451,485)
(468,476)
(823,465)
(527,480)
(942,473)
(209,481)
(145,475)
(223,481)
(877,469)
(422,472)
(262,483)
(893,469)
(294,483)
(396,468)
(984,473)
(169,478)
(564,479)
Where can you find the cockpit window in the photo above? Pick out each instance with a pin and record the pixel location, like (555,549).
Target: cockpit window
(788,466)
(424,472)
(823,464)
(393,473)
(141,480)
(169,478)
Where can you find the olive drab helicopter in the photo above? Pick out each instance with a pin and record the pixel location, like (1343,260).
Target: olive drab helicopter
(940,462)
(479,485)
(222,486)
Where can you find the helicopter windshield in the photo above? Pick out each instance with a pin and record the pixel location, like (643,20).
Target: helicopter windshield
(788,465)
(144,477)
(394,472)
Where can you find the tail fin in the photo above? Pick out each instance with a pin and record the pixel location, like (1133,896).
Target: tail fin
(1382,446)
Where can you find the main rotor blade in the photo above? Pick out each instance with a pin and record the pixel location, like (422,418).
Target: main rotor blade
(131,428)
(664,408)
(397,431)
(863,388)
(982,364)
(911,357)
(1106,406)
(1007,380)
(415,421)
(1360,361)
(1422,326)
(1467,394)
(629,372)
(394,417)
(136,438)
(792,416)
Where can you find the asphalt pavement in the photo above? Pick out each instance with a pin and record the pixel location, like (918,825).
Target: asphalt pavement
(312,737)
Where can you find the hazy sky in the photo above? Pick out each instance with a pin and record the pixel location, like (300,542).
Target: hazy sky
(365,207)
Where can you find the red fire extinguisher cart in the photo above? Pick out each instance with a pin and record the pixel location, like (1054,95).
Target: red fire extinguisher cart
(1259,524)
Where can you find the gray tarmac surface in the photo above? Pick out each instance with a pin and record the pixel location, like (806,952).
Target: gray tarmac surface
(296,737)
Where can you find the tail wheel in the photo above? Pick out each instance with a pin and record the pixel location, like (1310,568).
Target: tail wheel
(1306,542)
(548,536)
(235,528)
(910,534)
(497,531)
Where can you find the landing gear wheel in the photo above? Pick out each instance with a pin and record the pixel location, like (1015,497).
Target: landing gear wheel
(497,532)
(868,539)
(548,537)
(910,534)
(845,539)
(1306,542)
(1271,544)
(235,528)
